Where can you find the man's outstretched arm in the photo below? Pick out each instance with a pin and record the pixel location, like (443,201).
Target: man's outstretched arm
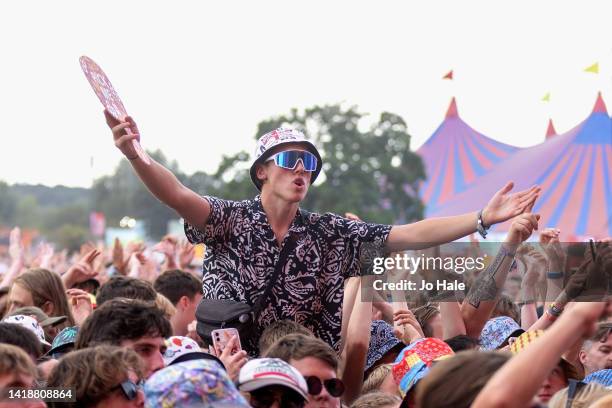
(160,181)
(436,231)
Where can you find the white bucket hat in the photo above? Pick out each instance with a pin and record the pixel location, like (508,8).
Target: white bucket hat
(277,137)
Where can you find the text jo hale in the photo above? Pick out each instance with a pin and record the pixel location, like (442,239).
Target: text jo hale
(423,285)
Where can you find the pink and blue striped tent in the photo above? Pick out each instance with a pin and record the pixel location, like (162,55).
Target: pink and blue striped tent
(574,170)
(454,157)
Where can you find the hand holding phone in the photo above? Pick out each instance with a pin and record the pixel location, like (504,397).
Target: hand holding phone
(222,337)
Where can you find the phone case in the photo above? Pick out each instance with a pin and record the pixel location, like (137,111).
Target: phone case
(221,337)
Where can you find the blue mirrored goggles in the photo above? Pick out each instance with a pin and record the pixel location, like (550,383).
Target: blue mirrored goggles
(289,159)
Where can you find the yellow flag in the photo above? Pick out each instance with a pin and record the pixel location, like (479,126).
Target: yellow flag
(593,68)
(546,98)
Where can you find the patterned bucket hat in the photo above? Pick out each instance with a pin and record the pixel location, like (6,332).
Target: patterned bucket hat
(382,340)
(277,137)
(414,361)
(497,330)
(192,383)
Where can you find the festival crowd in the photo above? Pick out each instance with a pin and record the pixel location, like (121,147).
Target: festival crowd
(280,312)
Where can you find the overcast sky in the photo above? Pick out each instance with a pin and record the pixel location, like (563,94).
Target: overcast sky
(199,76)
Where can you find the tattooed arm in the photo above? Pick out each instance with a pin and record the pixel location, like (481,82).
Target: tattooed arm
(484,293)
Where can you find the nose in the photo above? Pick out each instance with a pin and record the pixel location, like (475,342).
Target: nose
(156,362)
(299,166)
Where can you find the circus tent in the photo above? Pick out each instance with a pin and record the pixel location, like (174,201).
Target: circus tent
(454,157)
(574,170)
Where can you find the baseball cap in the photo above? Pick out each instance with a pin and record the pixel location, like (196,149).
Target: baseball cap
(43,319)
(263,372)
(64,339)
(278,137)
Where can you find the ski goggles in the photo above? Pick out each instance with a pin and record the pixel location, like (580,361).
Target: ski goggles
(289,159)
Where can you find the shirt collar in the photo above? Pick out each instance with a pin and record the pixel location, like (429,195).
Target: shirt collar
(261,220)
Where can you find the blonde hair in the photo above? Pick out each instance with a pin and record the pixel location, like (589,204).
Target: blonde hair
(376,378)
(165,305)
(584,397)
(376,399)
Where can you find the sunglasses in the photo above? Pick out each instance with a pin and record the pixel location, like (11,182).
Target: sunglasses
(265,398)
(334,386)
(289,159)
(130,388)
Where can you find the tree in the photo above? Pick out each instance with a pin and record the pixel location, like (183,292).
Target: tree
(123,194)
(371,172)
(8,204)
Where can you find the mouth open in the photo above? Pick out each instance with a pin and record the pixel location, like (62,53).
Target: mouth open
(299,182)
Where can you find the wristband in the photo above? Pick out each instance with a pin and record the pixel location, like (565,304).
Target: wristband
(526,302)
(554,310)
(550,316)
(554,275)
(131,158)
(480,226)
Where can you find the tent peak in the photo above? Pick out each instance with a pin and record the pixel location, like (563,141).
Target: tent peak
(452,109)
(551,131)
(600,105)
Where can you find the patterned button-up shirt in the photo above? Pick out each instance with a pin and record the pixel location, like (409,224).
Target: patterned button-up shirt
(242,251)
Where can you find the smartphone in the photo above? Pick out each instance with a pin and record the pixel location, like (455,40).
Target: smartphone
(221,337)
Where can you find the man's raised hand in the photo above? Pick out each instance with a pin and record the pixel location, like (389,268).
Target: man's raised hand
(505,205)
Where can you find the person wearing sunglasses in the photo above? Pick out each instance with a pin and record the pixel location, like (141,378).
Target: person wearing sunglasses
(244,239)
(101,377)
(272,383)
(317,362)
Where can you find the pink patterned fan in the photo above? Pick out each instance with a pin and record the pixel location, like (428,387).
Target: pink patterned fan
(108,96)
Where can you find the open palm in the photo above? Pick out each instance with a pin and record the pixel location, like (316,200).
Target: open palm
(505,205)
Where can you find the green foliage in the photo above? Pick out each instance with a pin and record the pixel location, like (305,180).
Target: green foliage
(370,171)
(123,194)
(8,204)
(69,236)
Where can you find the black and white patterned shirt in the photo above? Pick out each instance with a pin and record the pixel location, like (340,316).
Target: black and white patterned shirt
(242,251)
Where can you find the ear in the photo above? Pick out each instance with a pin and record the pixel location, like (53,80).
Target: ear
(183,303)
(582,357)
(48,308)
(261,172)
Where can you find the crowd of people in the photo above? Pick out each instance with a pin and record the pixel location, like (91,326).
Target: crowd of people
(119,328)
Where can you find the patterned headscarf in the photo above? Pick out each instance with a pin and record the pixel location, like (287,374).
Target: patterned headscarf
(190,384)
(382,340)
(414,361)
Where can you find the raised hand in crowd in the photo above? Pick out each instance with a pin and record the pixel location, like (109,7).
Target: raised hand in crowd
(120,261)
(82,270)
(185,254)
(168,247)
(80,305)
(232,362)
(407,327)
(142,267)
(484,293)
(517,382)
(17,254)
(555,253)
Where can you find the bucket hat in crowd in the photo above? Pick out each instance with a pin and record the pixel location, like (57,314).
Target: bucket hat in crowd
(195,383)
(278,137)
